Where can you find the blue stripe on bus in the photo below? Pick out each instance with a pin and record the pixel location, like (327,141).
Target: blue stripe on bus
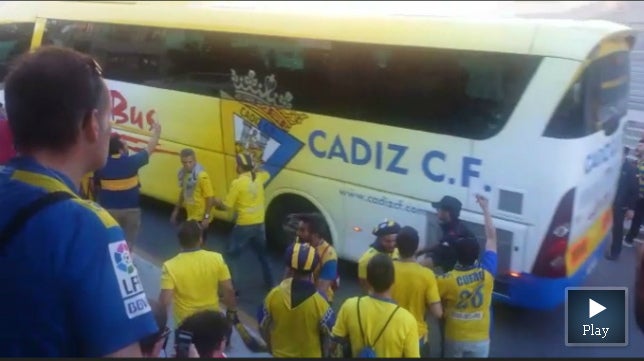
(540,293)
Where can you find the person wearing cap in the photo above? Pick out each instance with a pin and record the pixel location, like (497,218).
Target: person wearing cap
(246,199)
(385,243)
(442,254)
(117,184)
(466,293)
(296,320)
(196,196)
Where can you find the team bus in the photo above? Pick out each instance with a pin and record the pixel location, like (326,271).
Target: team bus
(365,117)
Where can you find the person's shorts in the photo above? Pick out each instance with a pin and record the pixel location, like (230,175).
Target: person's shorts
(466,349)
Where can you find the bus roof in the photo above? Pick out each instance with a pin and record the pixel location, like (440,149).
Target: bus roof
(571,39)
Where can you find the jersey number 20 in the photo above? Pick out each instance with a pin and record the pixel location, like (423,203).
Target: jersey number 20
(472,299)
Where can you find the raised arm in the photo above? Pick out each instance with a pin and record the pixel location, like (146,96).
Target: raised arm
(490,231)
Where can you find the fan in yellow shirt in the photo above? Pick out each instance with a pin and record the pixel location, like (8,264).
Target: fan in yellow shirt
(246,199)
(466,292)
(296,319)
(192,279)
(375,321)
(415,286)
(196,195)
(310,230)
(385,233)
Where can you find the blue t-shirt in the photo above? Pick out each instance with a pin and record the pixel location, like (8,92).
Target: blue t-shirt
(69,287)
(119,180)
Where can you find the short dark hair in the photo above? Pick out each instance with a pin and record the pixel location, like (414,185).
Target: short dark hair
(187,152)
(209,329)
(314,223)
(161,317)
(407,241)
(50,94)
(467,250)
(115,144)
(380,272)
(189,234)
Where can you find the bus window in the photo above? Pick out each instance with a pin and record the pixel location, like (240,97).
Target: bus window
(15,39)
(462,93)
(596,101)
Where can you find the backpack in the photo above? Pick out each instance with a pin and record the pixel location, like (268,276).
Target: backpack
(368,350)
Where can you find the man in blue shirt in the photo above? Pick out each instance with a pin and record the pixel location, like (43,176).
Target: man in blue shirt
(118,184)
(69,287)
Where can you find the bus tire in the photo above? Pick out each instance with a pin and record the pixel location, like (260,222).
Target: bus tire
(278,238)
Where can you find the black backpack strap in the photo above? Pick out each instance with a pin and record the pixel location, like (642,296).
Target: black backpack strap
(24,214)
(364,341)
(385,326)
(381,331)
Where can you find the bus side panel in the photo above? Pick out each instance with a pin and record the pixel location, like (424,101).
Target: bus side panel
(135,107)
(528,182)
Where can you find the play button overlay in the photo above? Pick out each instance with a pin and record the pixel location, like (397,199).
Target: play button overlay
(594,308)
(596,316)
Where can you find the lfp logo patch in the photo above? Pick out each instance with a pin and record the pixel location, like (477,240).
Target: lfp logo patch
(123,258)
(128,281)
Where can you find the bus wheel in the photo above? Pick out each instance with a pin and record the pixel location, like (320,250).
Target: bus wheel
(279,231)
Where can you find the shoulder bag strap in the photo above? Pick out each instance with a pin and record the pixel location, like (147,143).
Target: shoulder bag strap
(24,214)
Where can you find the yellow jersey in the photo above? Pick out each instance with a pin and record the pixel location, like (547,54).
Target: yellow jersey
(467,296)
(246,198)
(296,316)
(364,260)
(194,199)
(399,338)
(194,278)
(328,267)
(414,289)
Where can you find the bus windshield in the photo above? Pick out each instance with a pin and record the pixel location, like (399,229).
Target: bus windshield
(609,86)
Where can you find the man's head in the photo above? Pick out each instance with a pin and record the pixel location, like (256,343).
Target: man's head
(640,148)
(380,273)
(188,159)
(302,259)
(210,331)
(310,228)
(467,250)
(152,345)
(244,163)
(407,242)
(57,102)
(386,232)
(190,235)
(449,209)
(116,145)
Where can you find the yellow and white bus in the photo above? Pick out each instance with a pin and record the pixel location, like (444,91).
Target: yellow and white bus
(367,117)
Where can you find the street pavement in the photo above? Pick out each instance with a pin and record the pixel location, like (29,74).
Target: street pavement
(516,332)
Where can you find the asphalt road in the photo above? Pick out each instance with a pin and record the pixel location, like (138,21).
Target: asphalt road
(516,332)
